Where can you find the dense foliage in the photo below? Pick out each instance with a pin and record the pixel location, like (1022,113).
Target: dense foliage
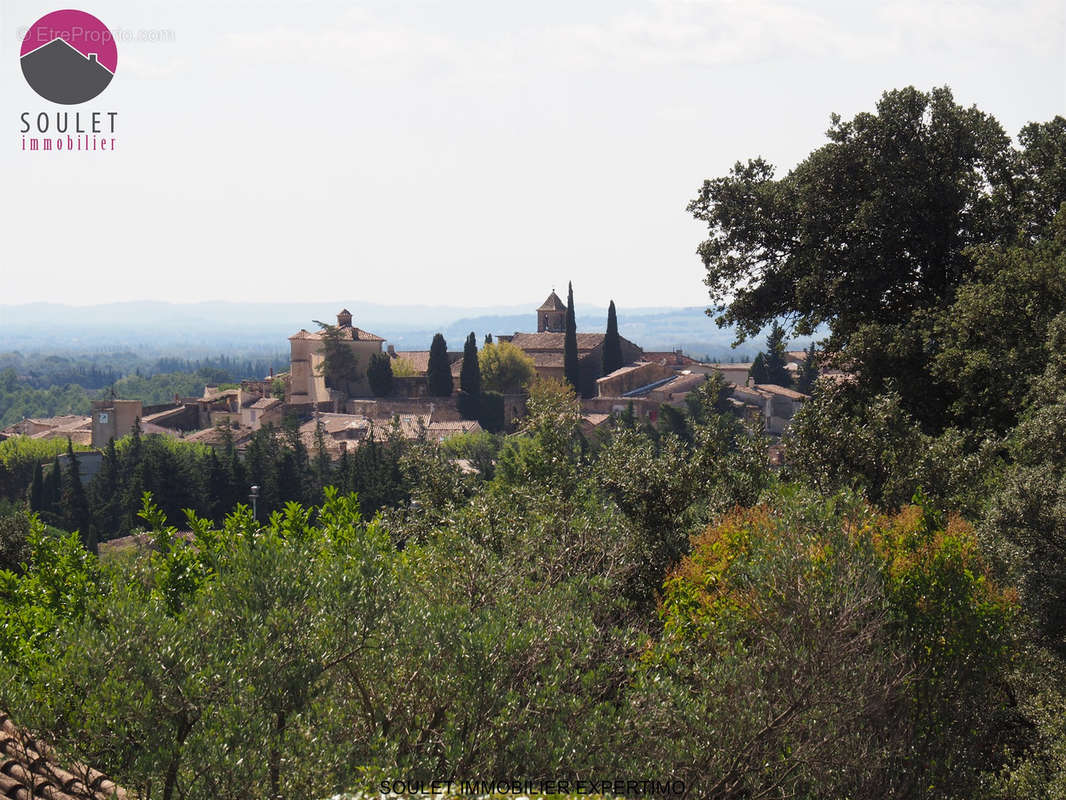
(505,368)
(322,649)
(885,235)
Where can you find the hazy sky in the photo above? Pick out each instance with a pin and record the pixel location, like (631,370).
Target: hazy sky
(461,152)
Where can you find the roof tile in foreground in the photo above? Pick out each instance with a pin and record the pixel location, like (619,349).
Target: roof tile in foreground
(28,770)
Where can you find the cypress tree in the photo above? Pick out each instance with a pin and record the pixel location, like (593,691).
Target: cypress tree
(76,504)
(52,486)
(379,374)
(106,492)
(469,400)
(439,371)
(571,367)
(612,343)
(808,372)
(37,488)
(323,473)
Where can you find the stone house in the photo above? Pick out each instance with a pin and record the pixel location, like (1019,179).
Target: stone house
(307,383)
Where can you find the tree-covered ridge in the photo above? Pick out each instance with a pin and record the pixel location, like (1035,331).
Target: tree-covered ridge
(49,385)
(324,650)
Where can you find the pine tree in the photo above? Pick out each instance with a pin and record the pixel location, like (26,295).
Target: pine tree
(758,373)
(612,343)
(340,364)
(776,358)
(439,370)
(571,366)
(808,372)
(469,400)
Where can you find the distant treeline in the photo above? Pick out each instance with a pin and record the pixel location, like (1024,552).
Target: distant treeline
(100,370)
(44,385)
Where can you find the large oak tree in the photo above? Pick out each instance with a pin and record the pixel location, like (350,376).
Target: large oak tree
(872,235)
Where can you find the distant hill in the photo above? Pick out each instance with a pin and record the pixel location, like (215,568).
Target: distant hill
(195,329)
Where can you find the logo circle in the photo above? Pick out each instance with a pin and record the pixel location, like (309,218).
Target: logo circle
(68,56)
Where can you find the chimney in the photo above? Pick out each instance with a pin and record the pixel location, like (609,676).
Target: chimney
(92,58)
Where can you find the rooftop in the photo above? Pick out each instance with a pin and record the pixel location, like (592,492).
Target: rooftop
(555,341)
(553,303)
(351,334)
(773,388)
(418,360)
(670,358)
(29,769)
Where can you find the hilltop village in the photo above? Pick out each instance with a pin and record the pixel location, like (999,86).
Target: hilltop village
(348,411)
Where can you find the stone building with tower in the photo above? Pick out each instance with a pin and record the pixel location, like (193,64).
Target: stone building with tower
(307,383)
(551,316)
(547,346)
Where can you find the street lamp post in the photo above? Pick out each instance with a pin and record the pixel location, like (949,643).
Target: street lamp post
(254,496)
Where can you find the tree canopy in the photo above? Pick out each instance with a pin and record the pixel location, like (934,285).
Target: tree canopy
(873,233)
(505,368)
(340,364)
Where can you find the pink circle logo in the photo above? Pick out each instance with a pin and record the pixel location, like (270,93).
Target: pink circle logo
(68,57)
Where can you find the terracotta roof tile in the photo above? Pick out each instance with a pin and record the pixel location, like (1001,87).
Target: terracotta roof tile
(541,359)
(29,769)
(419,359)
(670,358)
(773,388)
(555,341)
(355,334)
